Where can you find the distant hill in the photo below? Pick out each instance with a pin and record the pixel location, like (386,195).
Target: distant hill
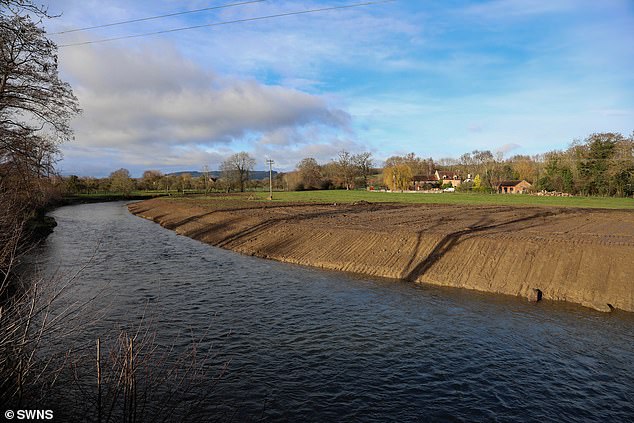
(256,174)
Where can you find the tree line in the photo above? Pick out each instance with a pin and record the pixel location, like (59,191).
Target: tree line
(236,173)
(347,171)
(601,164)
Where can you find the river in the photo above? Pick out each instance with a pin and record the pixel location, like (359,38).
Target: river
(301,344)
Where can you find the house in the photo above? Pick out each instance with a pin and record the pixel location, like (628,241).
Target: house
(438,179)
(514,187)
(448,178)
(423,182)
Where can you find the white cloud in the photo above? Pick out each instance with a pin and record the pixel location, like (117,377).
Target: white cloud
(149,100)
(507,148)
(322,149)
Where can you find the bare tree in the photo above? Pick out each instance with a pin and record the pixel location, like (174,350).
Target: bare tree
(237,169)
(346,168)
(35,105)
(363,162)
(23,6)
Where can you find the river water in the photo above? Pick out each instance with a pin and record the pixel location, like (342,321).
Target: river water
(300,344)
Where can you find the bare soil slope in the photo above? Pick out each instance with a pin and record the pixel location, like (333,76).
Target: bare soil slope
(584,256)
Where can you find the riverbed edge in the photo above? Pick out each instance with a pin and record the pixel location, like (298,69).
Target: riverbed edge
(538,270)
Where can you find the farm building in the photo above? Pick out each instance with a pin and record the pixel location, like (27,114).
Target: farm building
(514,187)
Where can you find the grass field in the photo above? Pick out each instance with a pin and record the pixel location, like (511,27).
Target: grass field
(341,196)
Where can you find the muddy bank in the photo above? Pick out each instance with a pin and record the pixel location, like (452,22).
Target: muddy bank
(581,256)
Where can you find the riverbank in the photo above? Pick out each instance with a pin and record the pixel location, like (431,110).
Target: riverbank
(583,256)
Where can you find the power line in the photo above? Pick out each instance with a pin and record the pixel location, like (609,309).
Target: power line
(168,15)
(257,18)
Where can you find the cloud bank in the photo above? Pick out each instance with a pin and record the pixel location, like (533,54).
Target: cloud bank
(151,107)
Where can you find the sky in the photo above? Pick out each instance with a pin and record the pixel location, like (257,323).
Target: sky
(437,78)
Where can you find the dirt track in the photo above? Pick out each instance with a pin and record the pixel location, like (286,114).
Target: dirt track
(579,255)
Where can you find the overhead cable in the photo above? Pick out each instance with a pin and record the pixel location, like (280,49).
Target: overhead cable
(257,18)
(168,15)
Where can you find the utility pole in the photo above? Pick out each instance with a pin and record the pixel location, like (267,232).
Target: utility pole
(270,163)
(206,176)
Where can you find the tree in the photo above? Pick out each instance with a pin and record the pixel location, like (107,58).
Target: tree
(595,158)
(309,173)
(364,163)
(499,172)
(524,167)
(120,181)
(477,183)
(35,105)
(150,179)
(91,184)
(418,165)
(398,177)
(74,185)
(185,181)
(237,168)
(35,111)
(483,161)
(557,174)
(346,169)
(622,172)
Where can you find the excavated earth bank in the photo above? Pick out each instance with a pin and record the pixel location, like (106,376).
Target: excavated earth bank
(585,256)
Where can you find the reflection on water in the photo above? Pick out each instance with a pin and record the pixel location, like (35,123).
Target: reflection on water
(304,344)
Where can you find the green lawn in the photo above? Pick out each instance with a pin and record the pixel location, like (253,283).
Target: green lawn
(341,196)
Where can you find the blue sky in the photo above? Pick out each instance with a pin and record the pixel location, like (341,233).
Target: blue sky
(439,78)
